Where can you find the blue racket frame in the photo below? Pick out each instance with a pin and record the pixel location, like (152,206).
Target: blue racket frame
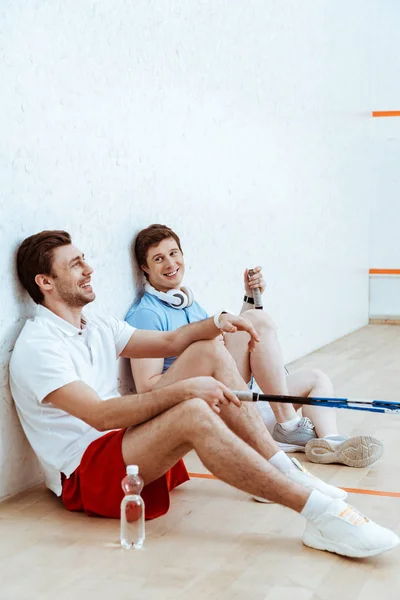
(377,406)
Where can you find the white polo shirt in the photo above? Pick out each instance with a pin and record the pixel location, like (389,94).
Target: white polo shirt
(48,354)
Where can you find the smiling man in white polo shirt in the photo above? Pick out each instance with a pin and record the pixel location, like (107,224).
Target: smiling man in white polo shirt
(64,383)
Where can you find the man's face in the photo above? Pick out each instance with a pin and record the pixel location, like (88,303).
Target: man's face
(165,266)
(71,277)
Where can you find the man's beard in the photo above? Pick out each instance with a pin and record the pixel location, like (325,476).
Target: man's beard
(72,299)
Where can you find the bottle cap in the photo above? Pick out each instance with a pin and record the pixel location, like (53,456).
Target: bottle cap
(132,470)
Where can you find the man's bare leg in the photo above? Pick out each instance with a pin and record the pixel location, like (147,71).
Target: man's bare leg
(312,382)
(212,358)
(265,363)
(330,446)
(158,444)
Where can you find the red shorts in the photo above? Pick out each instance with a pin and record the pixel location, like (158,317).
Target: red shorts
(95,486)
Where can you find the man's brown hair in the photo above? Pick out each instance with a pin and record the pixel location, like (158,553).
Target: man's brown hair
(35,256)
(151,236)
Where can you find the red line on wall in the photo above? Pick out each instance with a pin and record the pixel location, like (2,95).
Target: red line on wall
(384,271)
(386,113)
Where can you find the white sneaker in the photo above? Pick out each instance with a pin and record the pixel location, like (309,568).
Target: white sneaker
(303,477)
(343,530)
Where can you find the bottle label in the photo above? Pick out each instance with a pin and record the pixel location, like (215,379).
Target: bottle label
(133,511)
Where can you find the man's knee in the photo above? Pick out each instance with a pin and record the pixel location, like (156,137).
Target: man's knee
(215,350)
(261,320)
(196,415)
(320,380)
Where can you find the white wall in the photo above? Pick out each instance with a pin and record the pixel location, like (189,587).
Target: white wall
(385,215)
(244,125)
(384,297)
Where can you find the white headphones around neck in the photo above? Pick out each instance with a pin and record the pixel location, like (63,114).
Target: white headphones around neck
(176,298)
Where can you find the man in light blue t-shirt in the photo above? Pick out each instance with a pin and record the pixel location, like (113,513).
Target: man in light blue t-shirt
(154,314)
(167,305)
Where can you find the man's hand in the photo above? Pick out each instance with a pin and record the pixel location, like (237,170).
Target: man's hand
(211,391)
(254,281)
(231,324)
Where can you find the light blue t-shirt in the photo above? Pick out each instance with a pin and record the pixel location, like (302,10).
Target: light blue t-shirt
(151,313)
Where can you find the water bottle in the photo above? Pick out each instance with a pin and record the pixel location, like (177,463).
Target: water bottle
(132,510)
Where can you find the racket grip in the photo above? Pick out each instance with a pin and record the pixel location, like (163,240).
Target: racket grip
(256,295)
(246,395)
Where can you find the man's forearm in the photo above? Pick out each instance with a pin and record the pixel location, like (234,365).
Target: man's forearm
(134,409)
(186,335)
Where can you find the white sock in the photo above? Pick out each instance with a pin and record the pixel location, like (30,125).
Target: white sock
(291,424)
(281,462)
(316,505)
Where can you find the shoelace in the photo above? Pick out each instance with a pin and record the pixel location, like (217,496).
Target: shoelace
(305,422)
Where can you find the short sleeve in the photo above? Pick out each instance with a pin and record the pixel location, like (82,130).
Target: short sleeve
(41,370)
(145,318)
(122,333)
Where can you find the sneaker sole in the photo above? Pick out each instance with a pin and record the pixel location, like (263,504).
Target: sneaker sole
(262,500)
(319,543)
(359,451)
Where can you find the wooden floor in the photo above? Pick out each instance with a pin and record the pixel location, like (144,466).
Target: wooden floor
(216,543)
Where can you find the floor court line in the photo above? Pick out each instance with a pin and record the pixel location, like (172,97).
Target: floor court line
(349,490)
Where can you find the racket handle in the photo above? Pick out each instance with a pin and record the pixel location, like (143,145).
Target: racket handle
(256,295)
(246,395)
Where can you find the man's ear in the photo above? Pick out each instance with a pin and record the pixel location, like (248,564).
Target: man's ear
(44,282)
(144,268)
